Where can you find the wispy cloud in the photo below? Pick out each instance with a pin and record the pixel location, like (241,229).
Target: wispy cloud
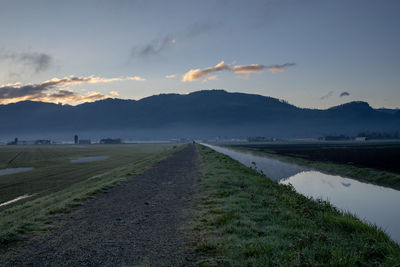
(38,61)
(259,68)
(210,78)
(170,76)
(249,68)
(50,91)
(132,78)
(328,95)
(164,42)
(279,68)
(195,74)
(344,94)
(154,47)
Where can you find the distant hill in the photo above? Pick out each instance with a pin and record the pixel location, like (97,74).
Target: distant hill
(202,114)
(388,110)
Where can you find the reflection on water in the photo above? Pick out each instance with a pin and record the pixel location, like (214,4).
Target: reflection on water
(14,170)
(14,200)
(88,159)
(274,169)
(369,202)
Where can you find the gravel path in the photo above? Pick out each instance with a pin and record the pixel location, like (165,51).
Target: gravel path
(136,223)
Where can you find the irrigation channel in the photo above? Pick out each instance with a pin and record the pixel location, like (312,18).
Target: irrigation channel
(371,203)
(89,159)
(14,170)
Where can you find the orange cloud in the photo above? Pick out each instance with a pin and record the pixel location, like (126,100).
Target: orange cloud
(49,91)
(196,74)
(114,93)
(248,68)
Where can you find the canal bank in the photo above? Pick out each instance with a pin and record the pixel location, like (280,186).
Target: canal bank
(371,203)
(246,219)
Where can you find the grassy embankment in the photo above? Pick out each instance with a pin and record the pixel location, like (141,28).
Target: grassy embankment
(363,174)
(36,215)
(245,219)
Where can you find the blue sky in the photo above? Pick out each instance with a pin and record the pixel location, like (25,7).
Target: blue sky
(306,52)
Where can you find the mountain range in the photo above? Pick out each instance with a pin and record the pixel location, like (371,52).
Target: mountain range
(201,114)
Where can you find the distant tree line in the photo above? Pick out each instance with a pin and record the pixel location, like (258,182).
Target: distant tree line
(379,135)
(260,139)
(340,137)
(111,141)
(366,134)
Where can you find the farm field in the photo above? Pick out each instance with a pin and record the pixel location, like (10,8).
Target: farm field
(53,170)
(383,156)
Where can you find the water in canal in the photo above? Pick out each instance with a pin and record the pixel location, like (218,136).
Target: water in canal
(14,200)
(89,159)
(372,203)
(14,170)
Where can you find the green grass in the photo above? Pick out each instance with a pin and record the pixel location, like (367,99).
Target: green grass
(369,175)
(245,219)
(53,170)
(37,215)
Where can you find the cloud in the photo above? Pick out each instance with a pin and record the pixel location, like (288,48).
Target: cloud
(10,93)
(38,61)
(67,95)
(132,78)
(329,94)
(249,68)
(259,68)
(212,78)
(195,74)
(155,47)
(164,42)
(279,68)
(114,93)
(170,76)
(344,94)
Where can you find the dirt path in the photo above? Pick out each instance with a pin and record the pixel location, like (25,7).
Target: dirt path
(137,223)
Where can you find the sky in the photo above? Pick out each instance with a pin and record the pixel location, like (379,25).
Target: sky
(313,54)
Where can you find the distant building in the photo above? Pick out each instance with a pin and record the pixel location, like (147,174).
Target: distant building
(85,142)
(111,141)
(363,138)
(76,139)
(42,142)
(15,142)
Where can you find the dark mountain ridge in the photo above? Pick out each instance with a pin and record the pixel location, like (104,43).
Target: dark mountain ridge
(201,114)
